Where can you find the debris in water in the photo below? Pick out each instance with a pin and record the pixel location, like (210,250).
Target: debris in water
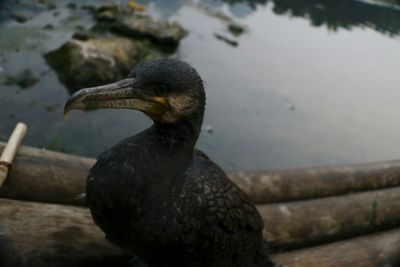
(226,40)
(209,129)
(52,108)
(291,107)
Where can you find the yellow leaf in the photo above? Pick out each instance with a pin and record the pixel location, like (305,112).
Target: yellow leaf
(132,4)
(140,8)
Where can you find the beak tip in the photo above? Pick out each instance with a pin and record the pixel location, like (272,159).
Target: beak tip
(67,109)
(73,102)
(65,115)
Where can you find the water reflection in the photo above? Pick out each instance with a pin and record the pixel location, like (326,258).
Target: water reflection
(335,14)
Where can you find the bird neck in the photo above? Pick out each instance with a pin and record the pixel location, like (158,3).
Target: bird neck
(183,133)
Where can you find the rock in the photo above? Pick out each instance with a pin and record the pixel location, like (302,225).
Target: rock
(236,29)
(48,27)
(158,30)
(106,15)
(83,36)
(20,17)
(120,18)
(48,3)
(89,8)
(24,80)
(71,6)
(80,28)
(95,61)
(96,56)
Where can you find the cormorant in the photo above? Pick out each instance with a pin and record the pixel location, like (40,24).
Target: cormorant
(154,193)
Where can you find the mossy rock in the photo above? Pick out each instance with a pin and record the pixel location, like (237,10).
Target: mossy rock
(95,61)
(120,19)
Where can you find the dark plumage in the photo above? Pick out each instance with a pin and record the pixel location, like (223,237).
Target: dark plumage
(156,195)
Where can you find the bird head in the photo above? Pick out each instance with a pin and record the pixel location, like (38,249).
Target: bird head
(166,90)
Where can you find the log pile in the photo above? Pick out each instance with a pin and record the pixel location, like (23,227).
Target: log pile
(325,217)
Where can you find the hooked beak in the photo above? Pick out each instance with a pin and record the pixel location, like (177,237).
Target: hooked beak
(122,95)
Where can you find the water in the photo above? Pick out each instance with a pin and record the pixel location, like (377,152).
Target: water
(310,83)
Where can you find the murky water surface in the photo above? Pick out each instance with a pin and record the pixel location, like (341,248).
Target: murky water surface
(310,82)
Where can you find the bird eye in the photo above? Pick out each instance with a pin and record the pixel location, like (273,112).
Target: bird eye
(162,89)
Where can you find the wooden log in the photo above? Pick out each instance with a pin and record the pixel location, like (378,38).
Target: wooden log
(38,234)
(41,175)
(304,223)
(46,176)
(378,250)
(309,183)
(292,224)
